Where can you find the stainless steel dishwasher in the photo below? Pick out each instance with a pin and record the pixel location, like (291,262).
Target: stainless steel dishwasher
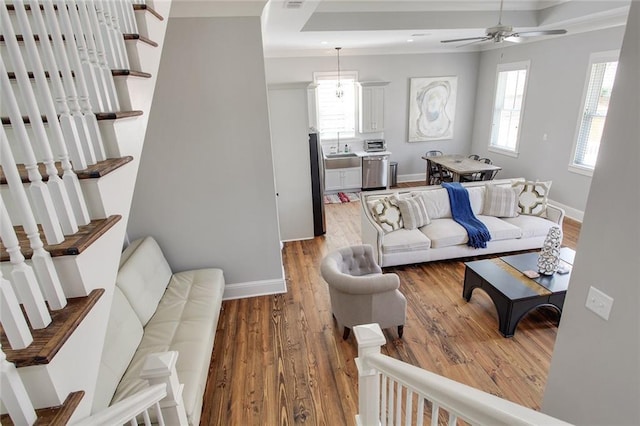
(375,171)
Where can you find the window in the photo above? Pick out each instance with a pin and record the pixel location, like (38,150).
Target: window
(511,85)
(595,104)
(336,115)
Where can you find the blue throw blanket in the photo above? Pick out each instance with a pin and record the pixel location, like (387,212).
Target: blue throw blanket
(462,213)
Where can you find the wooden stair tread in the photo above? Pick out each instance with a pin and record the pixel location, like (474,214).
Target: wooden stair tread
(48,341)
(127,36)
(132,73)
(71,246)
(59,415)
(98,170)
(144,7)
(113,115)
(140,38)
(115,73)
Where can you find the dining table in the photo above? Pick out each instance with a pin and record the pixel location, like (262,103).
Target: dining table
(459,165)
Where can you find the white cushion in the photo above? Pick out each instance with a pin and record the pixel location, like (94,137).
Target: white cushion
(531,226)
(124,333)
(143,276)
(414,212)
(444,233)
(476,198)
(500,229)
(500,201)
(404,240)
(185,321)
(437,203)
(447,232)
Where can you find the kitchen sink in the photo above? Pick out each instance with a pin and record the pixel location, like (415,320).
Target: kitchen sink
(341,155)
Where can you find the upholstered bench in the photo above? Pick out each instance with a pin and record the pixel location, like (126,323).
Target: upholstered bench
(155,310)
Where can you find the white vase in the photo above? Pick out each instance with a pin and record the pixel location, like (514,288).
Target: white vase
(549,258)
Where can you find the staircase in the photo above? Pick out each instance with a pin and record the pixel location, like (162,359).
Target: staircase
(76,84)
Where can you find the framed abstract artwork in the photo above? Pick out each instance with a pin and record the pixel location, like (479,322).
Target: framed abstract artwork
(432,108)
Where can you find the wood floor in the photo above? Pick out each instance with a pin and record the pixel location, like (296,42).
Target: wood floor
(280,360)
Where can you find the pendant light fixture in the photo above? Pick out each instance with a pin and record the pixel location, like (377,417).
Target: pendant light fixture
(339,90)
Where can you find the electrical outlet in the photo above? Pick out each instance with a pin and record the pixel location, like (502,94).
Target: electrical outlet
(599,303)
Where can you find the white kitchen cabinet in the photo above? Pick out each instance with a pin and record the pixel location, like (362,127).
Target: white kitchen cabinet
(342,179)
(371,96)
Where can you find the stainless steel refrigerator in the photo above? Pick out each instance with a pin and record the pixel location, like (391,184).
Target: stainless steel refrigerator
(317,184)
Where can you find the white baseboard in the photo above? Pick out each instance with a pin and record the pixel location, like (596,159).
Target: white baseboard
(412,178)
(570,212)
(255,288)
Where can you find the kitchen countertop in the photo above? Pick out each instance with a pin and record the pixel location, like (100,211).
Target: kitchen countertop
(358,153)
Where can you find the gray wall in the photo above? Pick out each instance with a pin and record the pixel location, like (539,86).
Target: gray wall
(557,74)
(205,188)
(595,370)
(397,69)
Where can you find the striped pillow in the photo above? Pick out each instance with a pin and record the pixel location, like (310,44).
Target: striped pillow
(414,212)
(500,201)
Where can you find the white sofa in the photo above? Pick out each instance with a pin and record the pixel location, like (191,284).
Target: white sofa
(442,237)
(155,310)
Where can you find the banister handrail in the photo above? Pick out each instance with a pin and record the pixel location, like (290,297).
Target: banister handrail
(129,408)
(459,400)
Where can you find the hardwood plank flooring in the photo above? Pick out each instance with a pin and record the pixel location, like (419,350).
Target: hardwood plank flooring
(280,360)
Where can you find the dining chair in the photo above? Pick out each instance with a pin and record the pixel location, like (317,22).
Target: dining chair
(486,160)
(474,157)
(435,174)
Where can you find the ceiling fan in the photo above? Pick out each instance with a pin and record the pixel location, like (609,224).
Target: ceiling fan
(500,32)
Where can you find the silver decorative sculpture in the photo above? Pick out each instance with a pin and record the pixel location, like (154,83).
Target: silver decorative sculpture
(549,258)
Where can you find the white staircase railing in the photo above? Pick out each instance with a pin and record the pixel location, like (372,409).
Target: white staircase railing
(392,392)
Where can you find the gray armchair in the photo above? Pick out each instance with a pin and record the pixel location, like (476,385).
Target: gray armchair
(360,293)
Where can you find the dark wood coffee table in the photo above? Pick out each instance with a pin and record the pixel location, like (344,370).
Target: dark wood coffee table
(513,293)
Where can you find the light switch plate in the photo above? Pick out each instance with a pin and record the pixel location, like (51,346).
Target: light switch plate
(599,303)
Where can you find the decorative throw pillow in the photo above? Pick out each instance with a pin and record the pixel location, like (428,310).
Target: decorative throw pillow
(386,213)
(532,196)
(414,212)
(500,201)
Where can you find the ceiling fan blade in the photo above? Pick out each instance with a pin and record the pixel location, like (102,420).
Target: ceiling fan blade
(538,33)
(467,39)
(475,42)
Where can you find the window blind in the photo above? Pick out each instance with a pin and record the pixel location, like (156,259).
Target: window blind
(336,114)
(594,113)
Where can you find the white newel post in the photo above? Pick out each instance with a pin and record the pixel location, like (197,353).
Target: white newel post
(369,338)
(14,395)
(161,368)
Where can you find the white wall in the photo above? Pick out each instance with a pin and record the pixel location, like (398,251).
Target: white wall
(595,370)
(397,69)
(205,188)
(557,74)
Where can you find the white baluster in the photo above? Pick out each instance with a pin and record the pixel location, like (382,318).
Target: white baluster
(129,16)
(68,126)
(107,35)
(23,278)
(102,55)
(85,119)
(43,204)
(102,69)
(74,30)
(14,394)
(54,183)
(13,321)
(161,368)
(122,60)
(41,259)
(83,29)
